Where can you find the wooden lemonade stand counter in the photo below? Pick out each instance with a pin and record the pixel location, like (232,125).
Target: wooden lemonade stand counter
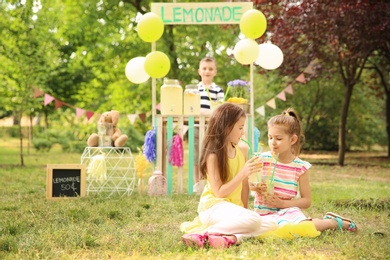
(166,127)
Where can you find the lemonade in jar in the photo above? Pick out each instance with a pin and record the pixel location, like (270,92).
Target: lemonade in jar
(171,97)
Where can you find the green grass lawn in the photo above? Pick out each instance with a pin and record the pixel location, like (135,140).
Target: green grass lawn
(143,227)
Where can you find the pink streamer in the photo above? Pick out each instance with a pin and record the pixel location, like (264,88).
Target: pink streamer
(177,152)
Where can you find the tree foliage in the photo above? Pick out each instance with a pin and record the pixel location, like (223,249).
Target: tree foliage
(341,34)
(77,51)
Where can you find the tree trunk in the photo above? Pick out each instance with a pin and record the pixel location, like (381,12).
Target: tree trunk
(388,122)
(21,142)
(343,123)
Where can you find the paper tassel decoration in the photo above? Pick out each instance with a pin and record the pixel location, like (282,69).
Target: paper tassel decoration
(97,168)
(176,152)
(141,163)
(150,145)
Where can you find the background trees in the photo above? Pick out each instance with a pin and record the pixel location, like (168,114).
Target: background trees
(77,51)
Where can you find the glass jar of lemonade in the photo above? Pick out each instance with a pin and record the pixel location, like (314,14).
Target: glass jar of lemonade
(191,100)
(171,97)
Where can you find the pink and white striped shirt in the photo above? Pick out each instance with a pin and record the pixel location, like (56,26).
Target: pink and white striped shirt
(285,181)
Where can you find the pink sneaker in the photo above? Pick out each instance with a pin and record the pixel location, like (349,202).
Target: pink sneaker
(194,240)
(219,242)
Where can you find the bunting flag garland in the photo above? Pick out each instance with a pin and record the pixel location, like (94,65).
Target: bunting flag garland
(301,78)
(309,69)
(132,118)
(48,99)
(37,92)
(142,117)
(289,89)
(271,103)
(281,96)
(89,114)
(79,112)
(185,129)
(261,110)
(58,104)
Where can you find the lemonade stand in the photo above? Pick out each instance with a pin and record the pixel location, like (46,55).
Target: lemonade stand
(157,65)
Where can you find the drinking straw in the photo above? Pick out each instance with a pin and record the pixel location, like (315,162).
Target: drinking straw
(227,91)
(250,153)
(273,172)
(270,165)
(250,147)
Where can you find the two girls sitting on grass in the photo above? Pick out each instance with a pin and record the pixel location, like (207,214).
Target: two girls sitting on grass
(223,215)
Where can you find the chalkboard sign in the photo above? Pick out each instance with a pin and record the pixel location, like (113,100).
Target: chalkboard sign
(65,181)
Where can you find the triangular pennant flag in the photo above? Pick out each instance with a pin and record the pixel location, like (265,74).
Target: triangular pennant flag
(142,117)
(58,104)
(185,129)
(37,92)
(301,78)
(48,99)
(158,106)
(271,103)
(261,110)
(79,112)
(132,118)
(89,114)
(289,89)
(309,69)
(281,96)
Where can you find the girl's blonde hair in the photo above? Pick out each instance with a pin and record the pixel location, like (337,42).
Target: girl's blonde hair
(220,125)
(289,118)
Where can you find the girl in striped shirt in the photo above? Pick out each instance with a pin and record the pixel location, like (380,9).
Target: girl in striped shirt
(286,188)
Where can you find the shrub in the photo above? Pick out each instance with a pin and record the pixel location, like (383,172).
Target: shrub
(42,144)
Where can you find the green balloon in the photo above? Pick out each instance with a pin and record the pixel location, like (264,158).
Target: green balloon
(150,28)
(157,64)
(253,24)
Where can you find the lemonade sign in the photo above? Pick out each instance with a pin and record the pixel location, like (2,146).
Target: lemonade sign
(201,13)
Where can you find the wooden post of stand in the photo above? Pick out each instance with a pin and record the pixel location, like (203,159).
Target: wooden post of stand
(191,152)
(180,168)
(169,166)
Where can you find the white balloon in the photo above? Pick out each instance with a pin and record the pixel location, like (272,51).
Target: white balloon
(135,71)
(246,51)
(270,56)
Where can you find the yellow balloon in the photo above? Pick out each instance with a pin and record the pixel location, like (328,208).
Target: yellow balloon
(246,51)
(157,64)
(253,24)
(150,28)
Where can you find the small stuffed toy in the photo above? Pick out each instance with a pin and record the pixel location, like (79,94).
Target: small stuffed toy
(109,134)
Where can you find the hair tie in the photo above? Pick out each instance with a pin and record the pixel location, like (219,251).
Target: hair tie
(286,113)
